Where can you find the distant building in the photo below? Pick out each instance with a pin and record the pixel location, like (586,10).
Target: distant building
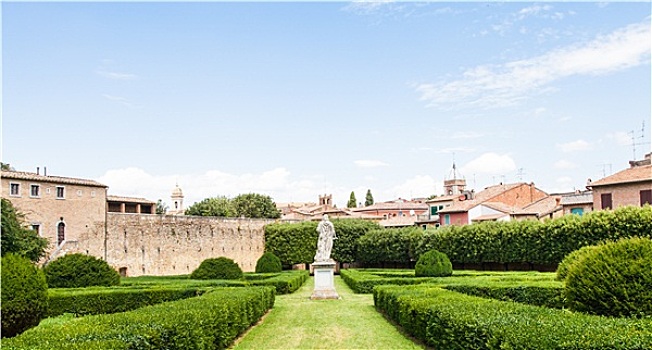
(312,212)
(632,186)
(503,202)
(578,202)
(121,204)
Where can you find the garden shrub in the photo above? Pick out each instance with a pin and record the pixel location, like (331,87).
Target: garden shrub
(614,279)
(268,262)
(217,268)
(570,259)
(433,264)
(79,270)
(449,320)
(24,295)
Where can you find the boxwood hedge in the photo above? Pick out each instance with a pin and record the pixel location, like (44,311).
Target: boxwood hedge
(210,321)
(448,320)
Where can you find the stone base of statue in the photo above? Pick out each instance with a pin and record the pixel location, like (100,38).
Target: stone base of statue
(324,281)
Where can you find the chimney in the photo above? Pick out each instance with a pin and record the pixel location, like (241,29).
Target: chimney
(37,171)
(45,171)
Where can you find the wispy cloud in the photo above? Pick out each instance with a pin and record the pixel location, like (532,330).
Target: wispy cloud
(367,163)
(122,100)
(117,75)
(491,86)
(564,165)
(574,146)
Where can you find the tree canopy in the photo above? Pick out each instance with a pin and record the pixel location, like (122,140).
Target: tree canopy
(161,207)
(369,199)
(352,201)
(18,239)
(250,205)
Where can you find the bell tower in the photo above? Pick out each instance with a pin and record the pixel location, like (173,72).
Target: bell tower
(177,202)
(455,184)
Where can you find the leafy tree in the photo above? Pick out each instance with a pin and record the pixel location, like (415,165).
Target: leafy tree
(161,207)
(6,167)
(253,205)
(16,238)
(216,206)
(369,199)
(352,201)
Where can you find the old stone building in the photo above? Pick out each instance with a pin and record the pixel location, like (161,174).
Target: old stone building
(77,216)
(60,209)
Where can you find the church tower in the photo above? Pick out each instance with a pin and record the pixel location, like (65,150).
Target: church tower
(454,185)
(177,202)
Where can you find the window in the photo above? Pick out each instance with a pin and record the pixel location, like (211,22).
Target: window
(79,192)
(61,192)
(646,197)
(447,219)
(605,198)
(35,191)
(433,210)
(577,211)
(14,189)
(37,228)
(61,233)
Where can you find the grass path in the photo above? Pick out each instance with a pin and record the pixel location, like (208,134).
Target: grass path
(296,322)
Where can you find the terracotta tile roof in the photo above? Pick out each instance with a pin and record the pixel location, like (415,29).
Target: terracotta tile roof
(543,206)
(128,200)
(394,205)
(635,174)
(481,197)
(20,175)
(579,198)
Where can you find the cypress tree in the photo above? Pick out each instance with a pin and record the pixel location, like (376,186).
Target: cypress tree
(369,199)
(352,201)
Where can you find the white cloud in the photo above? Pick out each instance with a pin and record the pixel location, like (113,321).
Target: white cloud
(621,138)
(490,86)
(489,163)
(367,163)
(574,146)
(416,187)
(277,183)
(564,165)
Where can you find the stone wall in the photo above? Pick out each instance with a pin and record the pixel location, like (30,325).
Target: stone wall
(141,244)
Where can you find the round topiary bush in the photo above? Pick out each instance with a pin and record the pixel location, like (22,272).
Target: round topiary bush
(615,279)
(433,264)
(268,263)
(570,259)
(217,268)
(24,295)
(79,270)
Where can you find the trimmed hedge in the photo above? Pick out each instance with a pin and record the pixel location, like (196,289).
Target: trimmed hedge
(614,279)
(268,262)
(24,295)
(221,268)
(211,321)
(286,282)
(363,281)
(79,270)
(433,264)
(571,259)
(92,301)
(538,295)
(527,241)
(296,243)
(449,320)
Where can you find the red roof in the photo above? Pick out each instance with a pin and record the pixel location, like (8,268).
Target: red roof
(636,174)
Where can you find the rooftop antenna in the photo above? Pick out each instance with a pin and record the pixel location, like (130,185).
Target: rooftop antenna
(520,174)
(635,139)
(604,169)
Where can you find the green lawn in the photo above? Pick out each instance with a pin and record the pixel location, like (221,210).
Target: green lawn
(296,322)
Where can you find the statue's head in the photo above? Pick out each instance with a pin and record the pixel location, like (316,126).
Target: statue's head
(325,218)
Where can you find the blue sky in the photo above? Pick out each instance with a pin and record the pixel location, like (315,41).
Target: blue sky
(297,99)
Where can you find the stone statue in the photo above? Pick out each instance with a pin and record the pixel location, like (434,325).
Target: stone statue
(325,243)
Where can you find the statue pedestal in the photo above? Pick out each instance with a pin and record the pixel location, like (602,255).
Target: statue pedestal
(324,281)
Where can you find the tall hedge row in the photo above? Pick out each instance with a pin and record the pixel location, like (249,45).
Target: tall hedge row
(507,242)
(296,243)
